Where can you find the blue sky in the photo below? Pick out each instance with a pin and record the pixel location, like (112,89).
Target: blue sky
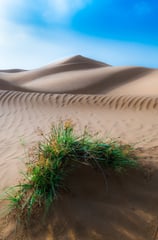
(119,32)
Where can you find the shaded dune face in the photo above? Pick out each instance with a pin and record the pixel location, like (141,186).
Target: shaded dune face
(117,102)
(5,85)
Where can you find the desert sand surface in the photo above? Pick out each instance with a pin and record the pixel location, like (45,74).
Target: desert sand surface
(117,102)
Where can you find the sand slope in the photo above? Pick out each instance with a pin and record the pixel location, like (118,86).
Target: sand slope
(128,111)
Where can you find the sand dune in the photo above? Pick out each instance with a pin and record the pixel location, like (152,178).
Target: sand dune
(118,102)
(12,70)
(69,76)
(70,64)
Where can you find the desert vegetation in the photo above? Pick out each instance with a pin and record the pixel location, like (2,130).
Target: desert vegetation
(55,157)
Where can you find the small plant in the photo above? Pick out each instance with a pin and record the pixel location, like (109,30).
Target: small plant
(54,158)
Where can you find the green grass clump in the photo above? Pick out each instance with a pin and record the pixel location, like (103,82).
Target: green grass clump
(55,157)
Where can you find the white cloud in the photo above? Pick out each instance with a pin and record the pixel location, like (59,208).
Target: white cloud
(64,8)
(19,44)
(49,10)
(8,7)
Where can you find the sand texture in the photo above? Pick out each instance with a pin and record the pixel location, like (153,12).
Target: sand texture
(118,102)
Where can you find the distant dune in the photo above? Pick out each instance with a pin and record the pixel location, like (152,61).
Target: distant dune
(118,102)
(83,76)
(12,70)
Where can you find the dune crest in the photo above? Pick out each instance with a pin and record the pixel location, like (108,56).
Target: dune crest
(77,59)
